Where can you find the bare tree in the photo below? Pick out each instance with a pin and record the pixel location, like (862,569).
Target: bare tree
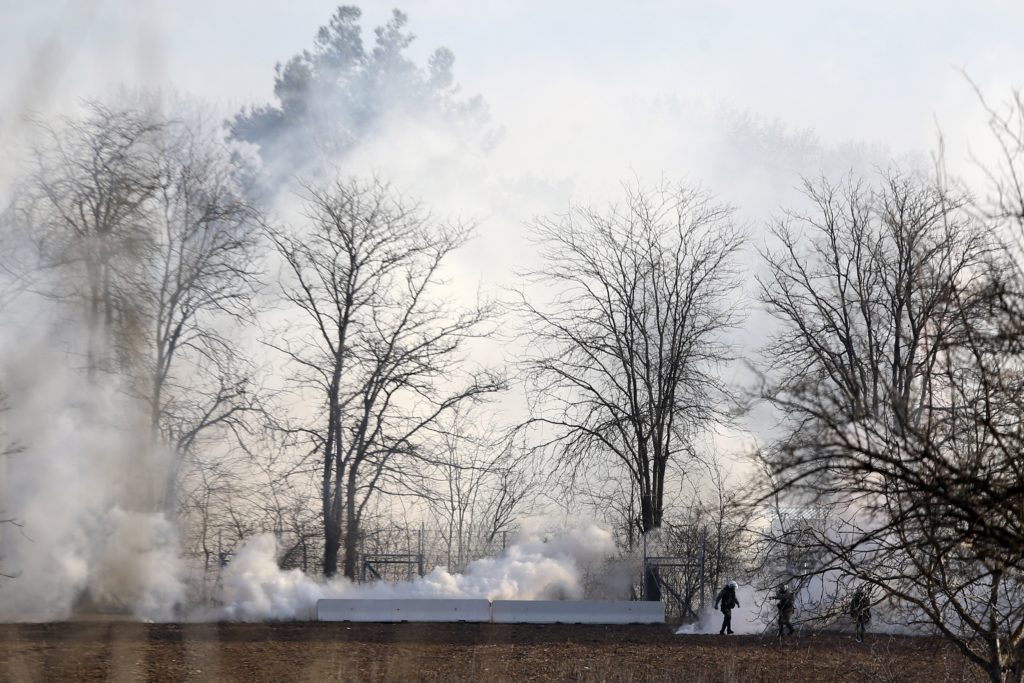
(201,276)
(622,359)
(706,539)
(1003,201)
(13,281)
(252,485)
(381,353)
(612,499)
(476,485)
(868,307)
(141,225)
(902,391)
(85,204)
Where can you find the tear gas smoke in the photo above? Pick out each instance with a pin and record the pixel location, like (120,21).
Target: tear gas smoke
(533,567)
(80,487)
(90,533)
(746,618)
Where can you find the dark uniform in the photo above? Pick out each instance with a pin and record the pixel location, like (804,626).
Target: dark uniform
(728,600)
(784,601)
(860,610)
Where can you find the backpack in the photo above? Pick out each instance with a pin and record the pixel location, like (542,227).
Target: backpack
(728,598)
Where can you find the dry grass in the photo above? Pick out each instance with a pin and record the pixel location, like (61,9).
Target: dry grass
(127,651)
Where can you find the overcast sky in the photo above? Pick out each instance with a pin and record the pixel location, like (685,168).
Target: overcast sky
(586,92)
(862,70)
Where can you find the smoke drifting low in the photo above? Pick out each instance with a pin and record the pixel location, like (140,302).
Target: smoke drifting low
(821,603)
(746,619)
(81,489)
(532,568)
(96,534)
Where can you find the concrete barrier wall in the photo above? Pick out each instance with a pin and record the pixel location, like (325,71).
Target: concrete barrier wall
(403,610)
(577,612)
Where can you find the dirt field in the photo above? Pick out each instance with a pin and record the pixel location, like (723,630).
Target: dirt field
(124,651)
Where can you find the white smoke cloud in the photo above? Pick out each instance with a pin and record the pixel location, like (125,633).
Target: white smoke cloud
(746,619)
(758,612)
(81,490)
(534,567)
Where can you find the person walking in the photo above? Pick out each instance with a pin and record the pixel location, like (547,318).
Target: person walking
(784,601)
(728,600)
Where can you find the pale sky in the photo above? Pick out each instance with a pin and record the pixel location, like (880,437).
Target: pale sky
(588,93)
(861,70)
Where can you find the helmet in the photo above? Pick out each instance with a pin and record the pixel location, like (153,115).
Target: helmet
(783,587)
(731,584)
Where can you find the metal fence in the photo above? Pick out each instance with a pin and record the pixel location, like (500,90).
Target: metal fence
(679,566)
(402,553)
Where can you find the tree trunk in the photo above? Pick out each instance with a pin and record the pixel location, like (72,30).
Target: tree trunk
(1001,667)
(652,590)
(652,587)
(332,544)
(647,520)
(1005,670)
(331,473)
(351,528)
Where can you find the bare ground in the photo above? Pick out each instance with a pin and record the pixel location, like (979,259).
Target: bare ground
(295,651)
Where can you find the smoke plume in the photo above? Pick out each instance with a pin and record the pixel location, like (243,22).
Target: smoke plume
(79,489)
(746,619)
(532,568)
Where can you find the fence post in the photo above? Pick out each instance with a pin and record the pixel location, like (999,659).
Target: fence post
(643,576)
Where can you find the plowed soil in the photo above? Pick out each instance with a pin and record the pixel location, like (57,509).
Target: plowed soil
(128,651)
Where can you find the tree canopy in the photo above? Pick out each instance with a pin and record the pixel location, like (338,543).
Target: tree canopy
(329,98)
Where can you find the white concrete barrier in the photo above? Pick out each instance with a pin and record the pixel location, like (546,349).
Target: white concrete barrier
(439,609)
(577,612)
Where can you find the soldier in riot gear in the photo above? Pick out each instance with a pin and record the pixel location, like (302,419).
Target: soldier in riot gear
(728,600)
(860,610)
(784,600)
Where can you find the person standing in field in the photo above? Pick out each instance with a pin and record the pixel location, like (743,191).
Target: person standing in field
(784,600)
(728,600)
(860,610)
